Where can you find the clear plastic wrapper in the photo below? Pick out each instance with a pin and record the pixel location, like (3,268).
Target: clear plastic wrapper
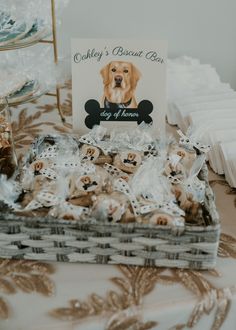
(150,183)
(22,78)
(10,190)
(78,178)
(12,26)
(27,20)
(192,184)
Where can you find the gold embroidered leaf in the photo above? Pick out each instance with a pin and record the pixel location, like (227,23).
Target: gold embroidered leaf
(24,266)
(87,308)
(204,306)
(124,320)
(167,280)
(79,310)
(22,117)
(43,284)
(188,281)
(148,325)
(34,101)
(227,250)
(148,279)
(37,115)
(61,129)
(6,286)
(20,137)
(26,142)
(178,327)
(13,126)
(66,314)
(68,125)
(75,303)
(221,313)
(33,132)
(66,106)
(27,276)
(47,107)
(41,267)
(67,85)
(194,281)
(130,322)
(123,284)
(98,303)
(227,238)
(115,301)
(213,272)
(204,285)
(128,271)
(4,310)
(23,282)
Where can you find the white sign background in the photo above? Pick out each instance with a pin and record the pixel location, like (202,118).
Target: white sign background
(89,56)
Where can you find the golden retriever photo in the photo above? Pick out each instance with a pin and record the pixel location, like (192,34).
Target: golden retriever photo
(120,81)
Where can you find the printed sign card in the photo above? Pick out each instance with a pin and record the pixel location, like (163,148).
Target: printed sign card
(118,83)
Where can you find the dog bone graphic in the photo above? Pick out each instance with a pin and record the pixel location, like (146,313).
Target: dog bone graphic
(139,114)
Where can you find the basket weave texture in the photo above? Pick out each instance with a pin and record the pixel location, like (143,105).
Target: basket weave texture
(193,247)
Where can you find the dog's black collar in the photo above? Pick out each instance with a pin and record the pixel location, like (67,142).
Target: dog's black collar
(128,161)
(110,105)
(88,185)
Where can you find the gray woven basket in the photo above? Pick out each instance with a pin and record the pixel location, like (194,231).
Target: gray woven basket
(93,241)
(89,241)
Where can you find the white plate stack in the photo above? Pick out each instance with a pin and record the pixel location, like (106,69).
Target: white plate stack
(197,98)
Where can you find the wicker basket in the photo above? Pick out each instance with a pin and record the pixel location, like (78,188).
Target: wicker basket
(92,242)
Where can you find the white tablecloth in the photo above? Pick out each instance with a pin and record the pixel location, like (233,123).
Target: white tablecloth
(37,295)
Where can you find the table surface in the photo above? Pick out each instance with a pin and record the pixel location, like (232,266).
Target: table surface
(42,295)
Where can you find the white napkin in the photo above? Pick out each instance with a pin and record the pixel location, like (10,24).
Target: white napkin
(228,152)
(192,97)
(216,137)
(198,117)
(183,112)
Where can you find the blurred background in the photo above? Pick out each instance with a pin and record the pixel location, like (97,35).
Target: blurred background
(204,29)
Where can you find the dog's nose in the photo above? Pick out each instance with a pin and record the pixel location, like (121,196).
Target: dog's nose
(118,79)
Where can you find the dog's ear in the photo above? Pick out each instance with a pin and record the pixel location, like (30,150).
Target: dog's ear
(136,75)
(105,74)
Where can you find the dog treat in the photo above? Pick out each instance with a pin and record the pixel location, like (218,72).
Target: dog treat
(128,161)
(187,157)
(67,178)
(161,219)
(174,169)
(186,202)
(68,211)
(109,207)
(89,153)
